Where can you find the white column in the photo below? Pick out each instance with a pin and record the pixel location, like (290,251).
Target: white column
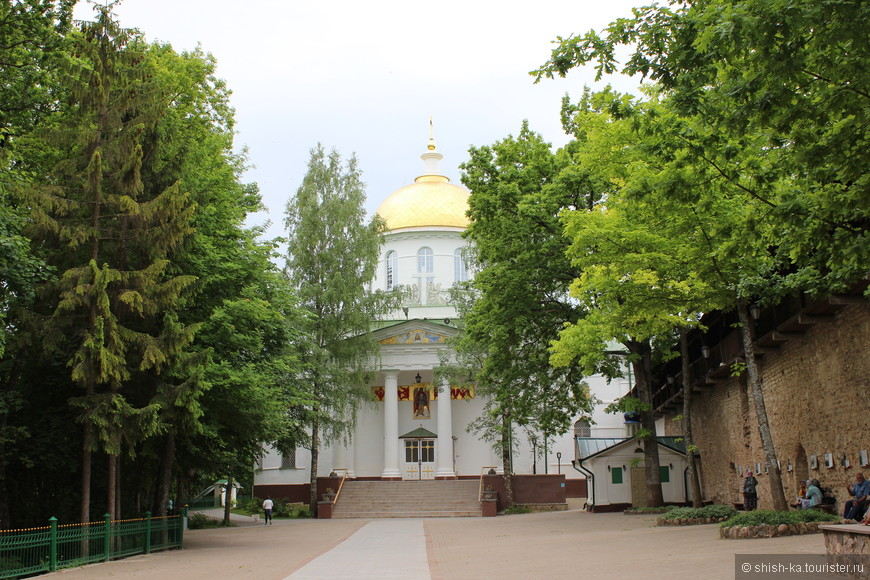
(391,425)
(445,434)
(352,446)
(338,456)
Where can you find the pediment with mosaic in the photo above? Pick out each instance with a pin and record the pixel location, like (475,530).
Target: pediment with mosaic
(416,336)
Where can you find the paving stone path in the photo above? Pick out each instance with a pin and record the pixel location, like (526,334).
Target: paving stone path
(570,544)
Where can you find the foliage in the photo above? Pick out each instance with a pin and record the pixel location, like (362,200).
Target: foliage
(281,509)
(518,300)
(708,511)
(196,363)
(775,518)
(331,258)
(780,92)
(200,521)
(652,510)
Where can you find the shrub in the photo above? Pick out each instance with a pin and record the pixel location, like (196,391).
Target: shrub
(249,505)
(282,509)
(775,518)
(716,512)
(198,521)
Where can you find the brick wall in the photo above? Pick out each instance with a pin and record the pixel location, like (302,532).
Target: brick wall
(817,394)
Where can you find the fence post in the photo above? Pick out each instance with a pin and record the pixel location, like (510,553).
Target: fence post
(147,532)
(52,564)
(107,540)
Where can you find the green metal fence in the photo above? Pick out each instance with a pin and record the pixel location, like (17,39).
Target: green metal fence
(46,549)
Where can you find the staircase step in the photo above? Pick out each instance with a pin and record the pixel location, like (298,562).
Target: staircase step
(408,499)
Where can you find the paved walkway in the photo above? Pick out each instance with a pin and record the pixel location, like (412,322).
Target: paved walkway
(562,544)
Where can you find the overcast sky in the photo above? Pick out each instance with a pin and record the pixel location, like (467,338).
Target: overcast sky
(364,77)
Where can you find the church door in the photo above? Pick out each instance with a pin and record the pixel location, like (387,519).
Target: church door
(419,459)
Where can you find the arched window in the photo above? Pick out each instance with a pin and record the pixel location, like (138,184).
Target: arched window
(391,265)
(460,271)
(582,429)
(425,261)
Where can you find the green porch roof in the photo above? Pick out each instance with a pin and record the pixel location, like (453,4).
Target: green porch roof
(419,433)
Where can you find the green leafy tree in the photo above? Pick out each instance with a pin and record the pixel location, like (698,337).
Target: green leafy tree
(251,388)
(331,258)
(113,305)
(520,297)
(777,98)
(784,83)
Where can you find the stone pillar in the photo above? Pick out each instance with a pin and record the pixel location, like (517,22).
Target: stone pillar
(445,433)
(391,426)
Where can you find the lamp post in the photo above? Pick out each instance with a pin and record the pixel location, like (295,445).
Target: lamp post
(559,462)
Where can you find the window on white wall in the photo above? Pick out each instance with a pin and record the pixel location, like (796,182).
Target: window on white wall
(288,460)
(460,271)
(582,429)
(391,264)
(425,261)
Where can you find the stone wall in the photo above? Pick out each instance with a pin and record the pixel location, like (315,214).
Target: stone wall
(817,394)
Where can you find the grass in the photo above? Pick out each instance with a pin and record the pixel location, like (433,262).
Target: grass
(708,511)
(775,518)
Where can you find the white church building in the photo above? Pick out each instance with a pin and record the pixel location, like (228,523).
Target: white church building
(413,429)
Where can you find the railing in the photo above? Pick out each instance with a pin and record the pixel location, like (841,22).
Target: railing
(340,484)
(480,491)
(50,548)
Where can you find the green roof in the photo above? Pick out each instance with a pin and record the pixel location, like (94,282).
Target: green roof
(419,433)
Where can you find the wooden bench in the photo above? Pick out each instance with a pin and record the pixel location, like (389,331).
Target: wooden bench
(825,507)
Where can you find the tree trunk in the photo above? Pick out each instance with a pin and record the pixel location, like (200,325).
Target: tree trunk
(118,487)
(228,494)
(4,490)
(643,376)
(315,444)
(165,481)
(688,439)
(180,491)
(111,483)
(777,495)
(86,474)
(507,464)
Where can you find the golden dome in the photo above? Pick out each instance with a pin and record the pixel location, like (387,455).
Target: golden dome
(431,201)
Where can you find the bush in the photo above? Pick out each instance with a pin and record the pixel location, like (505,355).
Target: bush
(198,521)
(283,509)
(775,518)
(716,512)
(249,505)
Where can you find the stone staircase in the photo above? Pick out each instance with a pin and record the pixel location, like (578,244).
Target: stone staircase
(408,499)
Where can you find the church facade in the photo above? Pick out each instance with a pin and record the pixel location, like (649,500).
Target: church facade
(414,428)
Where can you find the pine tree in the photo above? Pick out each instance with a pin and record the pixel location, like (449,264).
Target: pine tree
(112,305)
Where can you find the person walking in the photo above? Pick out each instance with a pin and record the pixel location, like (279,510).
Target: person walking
(268,505)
